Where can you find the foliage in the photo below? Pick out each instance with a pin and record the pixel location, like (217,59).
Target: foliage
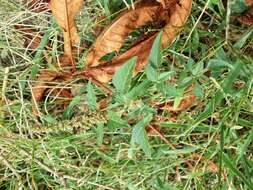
(200,97)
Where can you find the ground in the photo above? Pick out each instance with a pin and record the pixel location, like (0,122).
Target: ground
(212,138)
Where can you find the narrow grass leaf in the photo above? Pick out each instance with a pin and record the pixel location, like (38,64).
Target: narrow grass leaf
(186,150)
(39,52)
(241,42)
(232,167)
(69,111)
(245,145)
(106,157)
(228,82)
(219,95)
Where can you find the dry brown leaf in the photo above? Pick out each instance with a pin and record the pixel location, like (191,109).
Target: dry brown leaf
(249,3)
(32,38)
(44,81)
(41,84)
(113,36)
(186,103)
(175,16)
(65,11)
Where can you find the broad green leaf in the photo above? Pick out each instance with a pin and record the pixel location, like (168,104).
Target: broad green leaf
(210,107)
(139,135)
(198,91)
(198,69)
(234,73)
(166,76)
(115,121)
(154,60)
(185,82)
(91,97)
(122,78)
(217,64)
(138,90)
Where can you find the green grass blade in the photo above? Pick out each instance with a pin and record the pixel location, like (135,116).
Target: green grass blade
(232,167)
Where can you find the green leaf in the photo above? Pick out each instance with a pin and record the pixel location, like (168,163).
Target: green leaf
(122,78)
(91,97)
(138,90)
(232,167)
(198,91)
(115,121)
(177,102)
(139,135)
(166,76)
(39,51)
(240,43)
(69,111)
(218,64)
(198,69)
(49,119)
(186,150)
(219,95)
(246,144)
(228,82)
(35,70)
(238,6)
(154,60)
(106,157)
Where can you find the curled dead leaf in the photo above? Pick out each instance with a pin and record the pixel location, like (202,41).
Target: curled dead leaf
(113,36)
(32,38)
(58,9)
(45,80)
(65,11)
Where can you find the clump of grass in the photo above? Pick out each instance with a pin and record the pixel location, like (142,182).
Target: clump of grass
(218,128)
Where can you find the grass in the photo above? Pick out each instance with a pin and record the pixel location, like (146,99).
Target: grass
(213,52)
